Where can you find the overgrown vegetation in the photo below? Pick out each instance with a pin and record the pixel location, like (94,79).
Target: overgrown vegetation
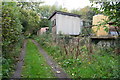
(15,26)
(21,20)
(79,62)
(35,65)
(11,33)
(110,9)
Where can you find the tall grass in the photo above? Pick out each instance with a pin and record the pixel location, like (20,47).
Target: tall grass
(78,61)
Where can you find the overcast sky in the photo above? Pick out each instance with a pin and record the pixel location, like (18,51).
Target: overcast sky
(69,4)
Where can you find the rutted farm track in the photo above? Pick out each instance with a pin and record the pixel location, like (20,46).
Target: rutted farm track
(23,62)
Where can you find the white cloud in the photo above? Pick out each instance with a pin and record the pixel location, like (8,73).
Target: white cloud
(69,4)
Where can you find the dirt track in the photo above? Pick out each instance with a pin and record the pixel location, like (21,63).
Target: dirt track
(59,73)
(57,70)
(18,69)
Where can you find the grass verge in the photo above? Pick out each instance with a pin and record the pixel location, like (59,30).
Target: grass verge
(34,63)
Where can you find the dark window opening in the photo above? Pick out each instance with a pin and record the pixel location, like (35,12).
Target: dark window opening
(54,22)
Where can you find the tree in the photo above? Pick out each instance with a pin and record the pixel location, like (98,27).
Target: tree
(46,11)
(110,9)
(30,18)
(11,25)
(30,5)
(11,34)
(86,14)
(30,21)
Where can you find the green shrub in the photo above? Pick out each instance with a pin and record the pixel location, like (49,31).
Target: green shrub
(11,36)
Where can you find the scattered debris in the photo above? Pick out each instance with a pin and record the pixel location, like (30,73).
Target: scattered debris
(52,67)
(59,63)
(41,64)
(58,72)
(73,74)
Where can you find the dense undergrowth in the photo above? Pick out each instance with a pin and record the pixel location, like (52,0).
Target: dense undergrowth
(17,24)
(9,63)
(11,37)
(21,20)
(102,63)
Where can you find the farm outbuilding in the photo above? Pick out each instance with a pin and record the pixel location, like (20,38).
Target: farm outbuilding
(66,23)
(100,31)
(42,30)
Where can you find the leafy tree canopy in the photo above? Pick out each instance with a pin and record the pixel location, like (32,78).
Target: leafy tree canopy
(86,14)
(110,9)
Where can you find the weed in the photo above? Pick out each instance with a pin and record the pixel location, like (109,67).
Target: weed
(78,63)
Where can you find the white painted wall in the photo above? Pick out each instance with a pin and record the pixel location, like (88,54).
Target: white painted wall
(67,24)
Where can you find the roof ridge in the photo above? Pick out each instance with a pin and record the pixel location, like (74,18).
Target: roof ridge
(63,13)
